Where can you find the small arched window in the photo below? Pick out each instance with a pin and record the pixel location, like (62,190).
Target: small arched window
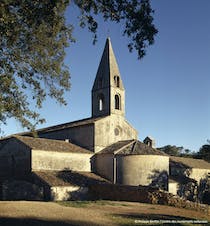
(149,143)
(117,80)
(117,102)
(101,102)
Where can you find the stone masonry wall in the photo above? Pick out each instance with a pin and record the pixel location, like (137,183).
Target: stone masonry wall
(15,159)
(64,193)
(80,135)
(142,194)
(104,166)
(21,190)
(111,129)
(47,160)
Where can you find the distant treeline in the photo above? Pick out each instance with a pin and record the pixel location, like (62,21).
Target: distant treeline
(203,153)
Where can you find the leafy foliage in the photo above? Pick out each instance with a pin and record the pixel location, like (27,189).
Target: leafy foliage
(172,150)
(204,152)
(33,38)
(136,15)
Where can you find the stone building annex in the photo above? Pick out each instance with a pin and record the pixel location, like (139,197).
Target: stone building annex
(100,149)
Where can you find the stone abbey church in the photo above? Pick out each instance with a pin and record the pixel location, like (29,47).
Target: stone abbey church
(103,147)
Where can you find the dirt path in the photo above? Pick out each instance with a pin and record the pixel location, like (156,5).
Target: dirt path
(46,213)
(104,213)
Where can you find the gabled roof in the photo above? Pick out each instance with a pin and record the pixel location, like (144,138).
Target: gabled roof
(112,149)
(51,145)
(67,125)
(131,147)
(69,178)
(189,162)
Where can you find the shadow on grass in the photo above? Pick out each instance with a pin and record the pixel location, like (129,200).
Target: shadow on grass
(151,219)
(40,222)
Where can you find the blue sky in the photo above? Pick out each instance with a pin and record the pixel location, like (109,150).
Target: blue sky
(167,92)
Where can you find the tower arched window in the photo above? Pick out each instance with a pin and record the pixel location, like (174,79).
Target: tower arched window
(101,102)
(117,102)
(117,80)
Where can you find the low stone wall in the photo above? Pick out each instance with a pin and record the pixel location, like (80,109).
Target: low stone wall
(142,194)
(64,193)
(21,190)
(25,190)
(173,187)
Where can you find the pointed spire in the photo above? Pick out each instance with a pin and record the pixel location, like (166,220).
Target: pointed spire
(108,67)
(108,94)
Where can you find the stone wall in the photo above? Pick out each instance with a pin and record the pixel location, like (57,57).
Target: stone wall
(191,190)
(112,129)
(96,135)
(32,188)
(133,169)
(199,174)
(64,193)
(80,135)
(193,173)
(142,194)
(96,94)
(121,93)
(47,160)
(21,190)
(3,142)
(15,159)
(143,170)
(173,188)
(103,165)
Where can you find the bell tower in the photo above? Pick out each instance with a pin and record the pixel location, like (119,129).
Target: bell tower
(108,94)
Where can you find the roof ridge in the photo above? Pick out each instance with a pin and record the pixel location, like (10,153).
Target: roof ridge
(190,162)
(28,141)
(57,126)
(17,137)
(134,145)
(125,146)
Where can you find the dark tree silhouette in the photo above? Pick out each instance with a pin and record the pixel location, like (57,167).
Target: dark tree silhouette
(33,38)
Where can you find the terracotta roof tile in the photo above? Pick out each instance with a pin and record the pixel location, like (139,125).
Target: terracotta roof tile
(81,122)
(51,145)
(69,178)
(131,147)
(115,147)
(189,162)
